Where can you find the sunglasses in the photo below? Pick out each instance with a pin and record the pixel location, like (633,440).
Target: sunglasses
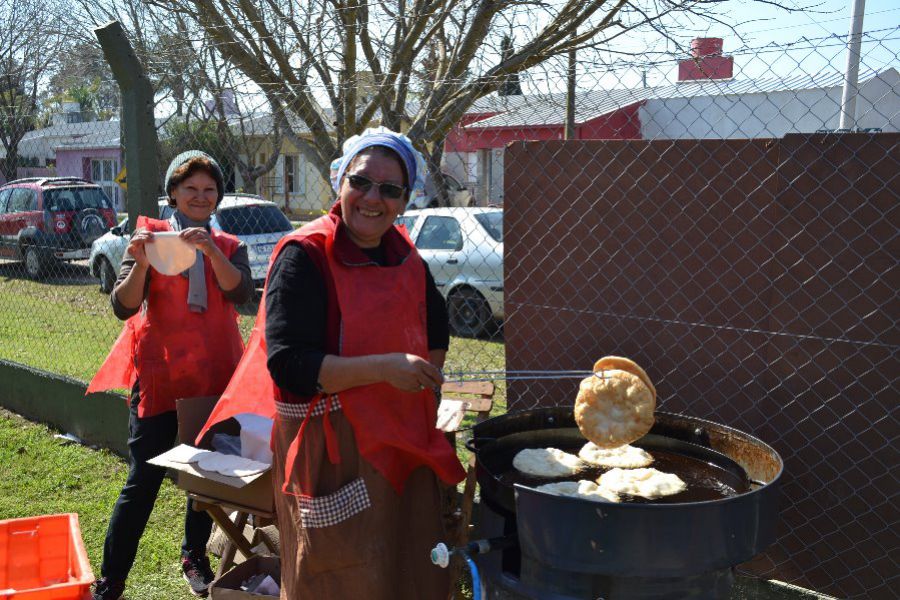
(389,191)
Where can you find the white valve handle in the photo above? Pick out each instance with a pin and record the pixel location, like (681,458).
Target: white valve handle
(440,555)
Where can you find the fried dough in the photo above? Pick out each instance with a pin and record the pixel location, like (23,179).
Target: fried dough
(621,363)
(625,457)
(547,462)
(585,489)
(614,408)
(646,483)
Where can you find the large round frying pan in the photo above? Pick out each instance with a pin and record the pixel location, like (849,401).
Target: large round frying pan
(630,539)
(709,474)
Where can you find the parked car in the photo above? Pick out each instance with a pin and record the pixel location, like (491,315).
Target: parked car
(48,219)
(457,194)
(254,220)
(106,255)
(464,251)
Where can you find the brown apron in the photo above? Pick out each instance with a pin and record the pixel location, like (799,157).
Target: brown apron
(353,536)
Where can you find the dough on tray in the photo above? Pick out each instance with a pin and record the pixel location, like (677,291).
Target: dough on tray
(585,489)
(547,462)
(230,465)
(625,457)
(646,483)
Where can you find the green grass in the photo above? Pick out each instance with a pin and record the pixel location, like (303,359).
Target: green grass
(66,326)
(40,475)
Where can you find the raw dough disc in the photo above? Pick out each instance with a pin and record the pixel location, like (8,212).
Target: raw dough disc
(547,462)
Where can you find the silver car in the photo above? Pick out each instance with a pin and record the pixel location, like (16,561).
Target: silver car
(255,221)
(464,250)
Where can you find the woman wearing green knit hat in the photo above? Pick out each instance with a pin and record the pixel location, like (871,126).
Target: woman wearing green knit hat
(180,340)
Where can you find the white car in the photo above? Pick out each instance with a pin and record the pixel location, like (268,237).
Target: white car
(464,251)
(255,221)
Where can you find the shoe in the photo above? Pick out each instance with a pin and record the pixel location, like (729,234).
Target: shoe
(108,589)
(197,573)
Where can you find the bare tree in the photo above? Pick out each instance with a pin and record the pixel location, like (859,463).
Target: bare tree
(30,38)
(337,66)
(191,78)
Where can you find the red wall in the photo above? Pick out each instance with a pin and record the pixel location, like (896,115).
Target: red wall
(622,124)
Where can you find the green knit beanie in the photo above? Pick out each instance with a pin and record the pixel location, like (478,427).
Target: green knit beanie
(186,156)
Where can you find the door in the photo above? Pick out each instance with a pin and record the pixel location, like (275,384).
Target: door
(6,244)
(103,173)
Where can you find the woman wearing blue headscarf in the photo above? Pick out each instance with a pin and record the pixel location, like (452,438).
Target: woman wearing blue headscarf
(356,332)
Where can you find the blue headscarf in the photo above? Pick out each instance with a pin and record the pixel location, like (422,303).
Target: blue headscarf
(413,161)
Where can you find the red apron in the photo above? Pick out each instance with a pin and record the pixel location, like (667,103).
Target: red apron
(382,310)
(175,353)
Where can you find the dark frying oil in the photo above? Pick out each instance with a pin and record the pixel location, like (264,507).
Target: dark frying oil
(704,481)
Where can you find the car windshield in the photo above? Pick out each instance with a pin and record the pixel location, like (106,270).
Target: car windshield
(252,219)
(492,223)
(75,199)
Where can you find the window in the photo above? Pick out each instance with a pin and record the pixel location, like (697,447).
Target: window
(252,219)
(492,223)
(75,199)
(22,200)
(4,196)
(440,233)
(103,173)
(290,174)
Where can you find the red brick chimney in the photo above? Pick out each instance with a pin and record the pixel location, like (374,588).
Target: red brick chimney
(706,61)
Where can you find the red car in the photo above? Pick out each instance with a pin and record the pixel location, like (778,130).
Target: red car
(48,219)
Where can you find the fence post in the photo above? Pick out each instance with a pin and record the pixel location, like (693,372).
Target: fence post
(138,123)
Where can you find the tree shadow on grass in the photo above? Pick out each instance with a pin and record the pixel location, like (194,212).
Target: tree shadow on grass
(59,273)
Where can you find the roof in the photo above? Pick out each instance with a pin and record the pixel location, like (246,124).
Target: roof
(235,200)
(446,211)
(549,109)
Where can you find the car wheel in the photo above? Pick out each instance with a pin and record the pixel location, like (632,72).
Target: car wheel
(35,265)
(470,314)
(89,225)
(107,275)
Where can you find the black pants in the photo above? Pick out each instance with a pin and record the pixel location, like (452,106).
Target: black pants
(148,437)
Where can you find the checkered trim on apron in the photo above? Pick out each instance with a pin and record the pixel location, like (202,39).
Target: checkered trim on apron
(298,411)
(324,511)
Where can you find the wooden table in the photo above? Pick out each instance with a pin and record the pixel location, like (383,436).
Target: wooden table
(233,530)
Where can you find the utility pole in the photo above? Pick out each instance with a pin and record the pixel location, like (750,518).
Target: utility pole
(851,73)
(138,123)
(570,96)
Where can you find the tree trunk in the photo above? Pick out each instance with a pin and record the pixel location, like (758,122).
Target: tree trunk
(9,164)
(433,159)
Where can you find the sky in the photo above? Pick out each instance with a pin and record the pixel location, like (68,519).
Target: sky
(769,42)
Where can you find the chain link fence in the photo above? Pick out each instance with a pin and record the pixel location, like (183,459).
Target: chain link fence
(750,269)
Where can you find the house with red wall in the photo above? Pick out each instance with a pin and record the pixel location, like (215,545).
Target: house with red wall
(705,102)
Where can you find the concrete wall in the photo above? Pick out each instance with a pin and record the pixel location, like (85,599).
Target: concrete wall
(98,419)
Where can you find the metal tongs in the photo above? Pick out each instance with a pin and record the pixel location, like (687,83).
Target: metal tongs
(523,375)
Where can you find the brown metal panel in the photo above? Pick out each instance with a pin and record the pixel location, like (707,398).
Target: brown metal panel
(755,281)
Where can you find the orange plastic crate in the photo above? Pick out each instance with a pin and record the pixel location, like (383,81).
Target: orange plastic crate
(43,558)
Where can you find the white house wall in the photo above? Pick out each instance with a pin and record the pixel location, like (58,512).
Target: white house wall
(771,114)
